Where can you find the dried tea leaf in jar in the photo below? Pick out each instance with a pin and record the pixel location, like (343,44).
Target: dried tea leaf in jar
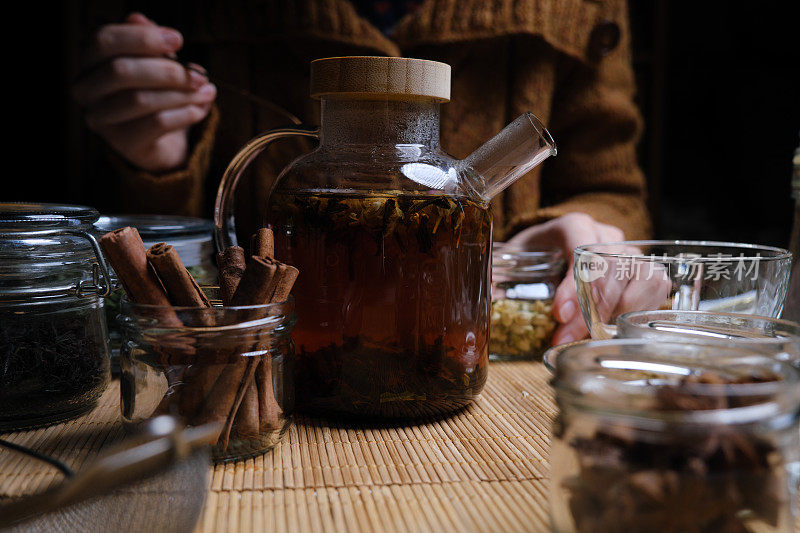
(53,352)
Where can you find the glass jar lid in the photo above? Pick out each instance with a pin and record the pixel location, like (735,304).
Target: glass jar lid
(16,216)
(158,227)
(47,250)
(627,377)
(191,237)
(521,264)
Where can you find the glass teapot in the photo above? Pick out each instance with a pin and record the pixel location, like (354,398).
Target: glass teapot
(392,237)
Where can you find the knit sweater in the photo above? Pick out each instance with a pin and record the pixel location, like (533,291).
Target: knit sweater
(568,61)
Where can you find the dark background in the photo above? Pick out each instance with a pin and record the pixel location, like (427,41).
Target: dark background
(719,86)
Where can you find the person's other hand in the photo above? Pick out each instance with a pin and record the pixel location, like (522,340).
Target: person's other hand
(137,99)
(567,232)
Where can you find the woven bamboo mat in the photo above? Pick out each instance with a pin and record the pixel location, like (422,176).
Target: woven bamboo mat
(482,470)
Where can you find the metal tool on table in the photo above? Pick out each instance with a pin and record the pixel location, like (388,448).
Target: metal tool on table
(154,480)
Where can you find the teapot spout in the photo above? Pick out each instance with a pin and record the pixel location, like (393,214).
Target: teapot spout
(510,154)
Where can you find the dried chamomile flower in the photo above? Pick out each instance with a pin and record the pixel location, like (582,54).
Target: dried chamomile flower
(521,327)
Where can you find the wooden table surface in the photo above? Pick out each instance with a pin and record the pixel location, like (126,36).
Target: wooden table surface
(484,469)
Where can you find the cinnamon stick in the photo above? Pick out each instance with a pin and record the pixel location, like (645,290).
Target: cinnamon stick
(181,287)
(199,379)
(286,276)
(246,413)
(247,419)
(255,287)
(125,251)
(223,401)
(262,243)
(231,265)
(265,280)
(269,412)
(243,394)
(183,290)
(204,375)
(257,284)
(269,409)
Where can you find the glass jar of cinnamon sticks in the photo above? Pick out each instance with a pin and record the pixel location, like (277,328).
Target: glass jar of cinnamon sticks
(221,356)
(230,364)
(666,436)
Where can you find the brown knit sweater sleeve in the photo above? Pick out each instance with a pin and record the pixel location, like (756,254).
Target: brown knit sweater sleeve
(179,192)
(596,126)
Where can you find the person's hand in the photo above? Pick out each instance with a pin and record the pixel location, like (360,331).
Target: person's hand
(137,99)
(567,232)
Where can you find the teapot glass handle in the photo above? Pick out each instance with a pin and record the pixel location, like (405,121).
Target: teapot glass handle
(224,234)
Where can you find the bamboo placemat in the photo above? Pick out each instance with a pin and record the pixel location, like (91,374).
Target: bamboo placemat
(484,469)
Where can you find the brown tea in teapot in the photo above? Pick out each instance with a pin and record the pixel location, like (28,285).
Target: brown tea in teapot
(392,303)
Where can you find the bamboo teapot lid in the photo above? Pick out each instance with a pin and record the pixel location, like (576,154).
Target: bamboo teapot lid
(395,77)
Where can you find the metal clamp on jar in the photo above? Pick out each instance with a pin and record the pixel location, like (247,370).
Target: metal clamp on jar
(53,350)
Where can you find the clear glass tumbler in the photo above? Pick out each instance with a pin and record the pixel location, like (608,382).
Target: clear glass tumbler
(617,278)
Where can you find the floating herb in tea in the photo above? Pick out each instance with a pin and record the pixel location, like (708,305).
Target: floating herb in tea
(392,301)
